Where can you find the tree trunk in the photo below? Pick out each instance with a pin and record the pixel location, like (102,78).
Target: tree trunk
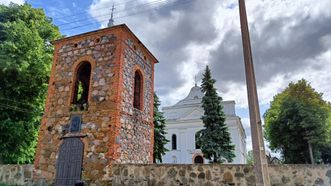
(311,153)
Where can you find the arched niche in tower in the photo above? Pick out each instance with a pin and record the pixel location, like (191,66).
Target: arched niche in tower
(138,91)
(82,83)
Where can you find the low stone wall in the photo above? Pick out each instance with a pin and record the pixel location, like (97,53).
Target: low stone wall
(168,174)
(16,174)
(280,175)
(182,175)
(316,175)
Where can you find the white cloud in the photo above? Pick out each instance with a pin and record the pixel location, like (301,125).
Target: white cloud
(158,27)
(7,2)
(291,40)
(277,60)
(318,75)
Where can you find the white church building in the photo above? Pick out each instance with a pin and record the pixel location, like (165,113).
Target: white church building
(183,122)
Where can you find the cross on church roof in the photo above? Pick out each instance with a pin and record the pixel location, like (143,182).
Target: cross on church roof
(111,20)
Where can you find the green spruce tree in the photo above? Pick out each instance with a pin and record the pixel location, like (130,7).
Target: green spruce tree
(214,139)
(159,132)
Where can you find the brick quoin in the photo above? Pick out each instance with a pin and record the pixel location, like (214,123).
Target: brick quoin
(113,131)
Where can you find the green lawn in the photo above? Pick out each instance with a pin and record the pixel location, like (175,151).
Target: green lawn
(3,184)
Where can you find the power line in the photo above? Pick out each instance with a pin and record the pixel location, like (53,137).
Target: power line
(86,12)
(104,15)
(17,109)
(18,102)
(136,13)
(130,8)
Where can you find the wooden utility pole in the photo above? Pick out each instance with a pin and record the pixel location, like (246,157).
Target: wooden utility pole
(260,161)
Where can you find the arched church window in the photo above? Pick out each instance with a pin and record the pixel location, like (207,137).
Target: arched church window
(82,83)
(174,142)
(138,90)
(197,146)
(198,159)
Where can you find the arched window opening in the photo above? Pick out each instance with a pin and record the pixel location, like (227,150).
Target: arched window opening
(138,90)
(82,84)
(174,142)
(198,159)
(197,146)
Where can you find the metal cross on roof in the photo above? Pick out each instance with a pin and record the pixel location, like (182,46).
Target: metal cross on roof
(111,20)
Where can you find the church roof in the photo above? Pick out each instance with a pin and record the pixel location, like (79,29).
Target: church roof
(195,96)
(191,107)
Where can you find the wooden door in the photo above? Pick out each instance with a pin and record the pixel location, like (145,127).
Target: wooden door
(69,162)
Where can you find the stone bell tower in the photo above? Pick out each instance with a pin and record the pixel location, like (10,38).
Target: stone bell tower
(99,108)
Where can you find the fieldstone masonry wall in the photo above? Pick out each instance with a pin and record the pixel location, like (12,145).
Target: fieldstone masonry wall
(153,174)
(134,137)
(16,174)
(209,175)
(136,134)
(134,60)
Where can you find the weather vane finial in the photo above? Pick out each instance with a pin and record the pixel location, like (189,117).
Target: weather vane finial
(111,20)
(195,80)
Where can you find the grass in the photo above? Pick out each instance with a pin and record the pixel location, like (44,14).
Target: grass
(3,184)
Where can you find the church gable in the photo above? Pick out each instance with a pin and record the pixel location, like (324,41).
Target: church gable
(194,113)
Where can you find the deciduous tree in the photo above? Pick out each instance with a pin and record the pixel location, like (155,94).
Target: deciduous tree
(297,122)
(25,60)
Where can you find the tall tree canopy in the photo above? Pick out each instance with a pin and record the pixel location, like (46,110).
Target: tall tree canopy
(25,61)
(214,140)
(159,132)
(298,120)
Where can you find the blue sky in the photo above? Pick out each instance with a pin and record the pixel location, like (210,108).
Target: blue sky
(69,14)
(291,40)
